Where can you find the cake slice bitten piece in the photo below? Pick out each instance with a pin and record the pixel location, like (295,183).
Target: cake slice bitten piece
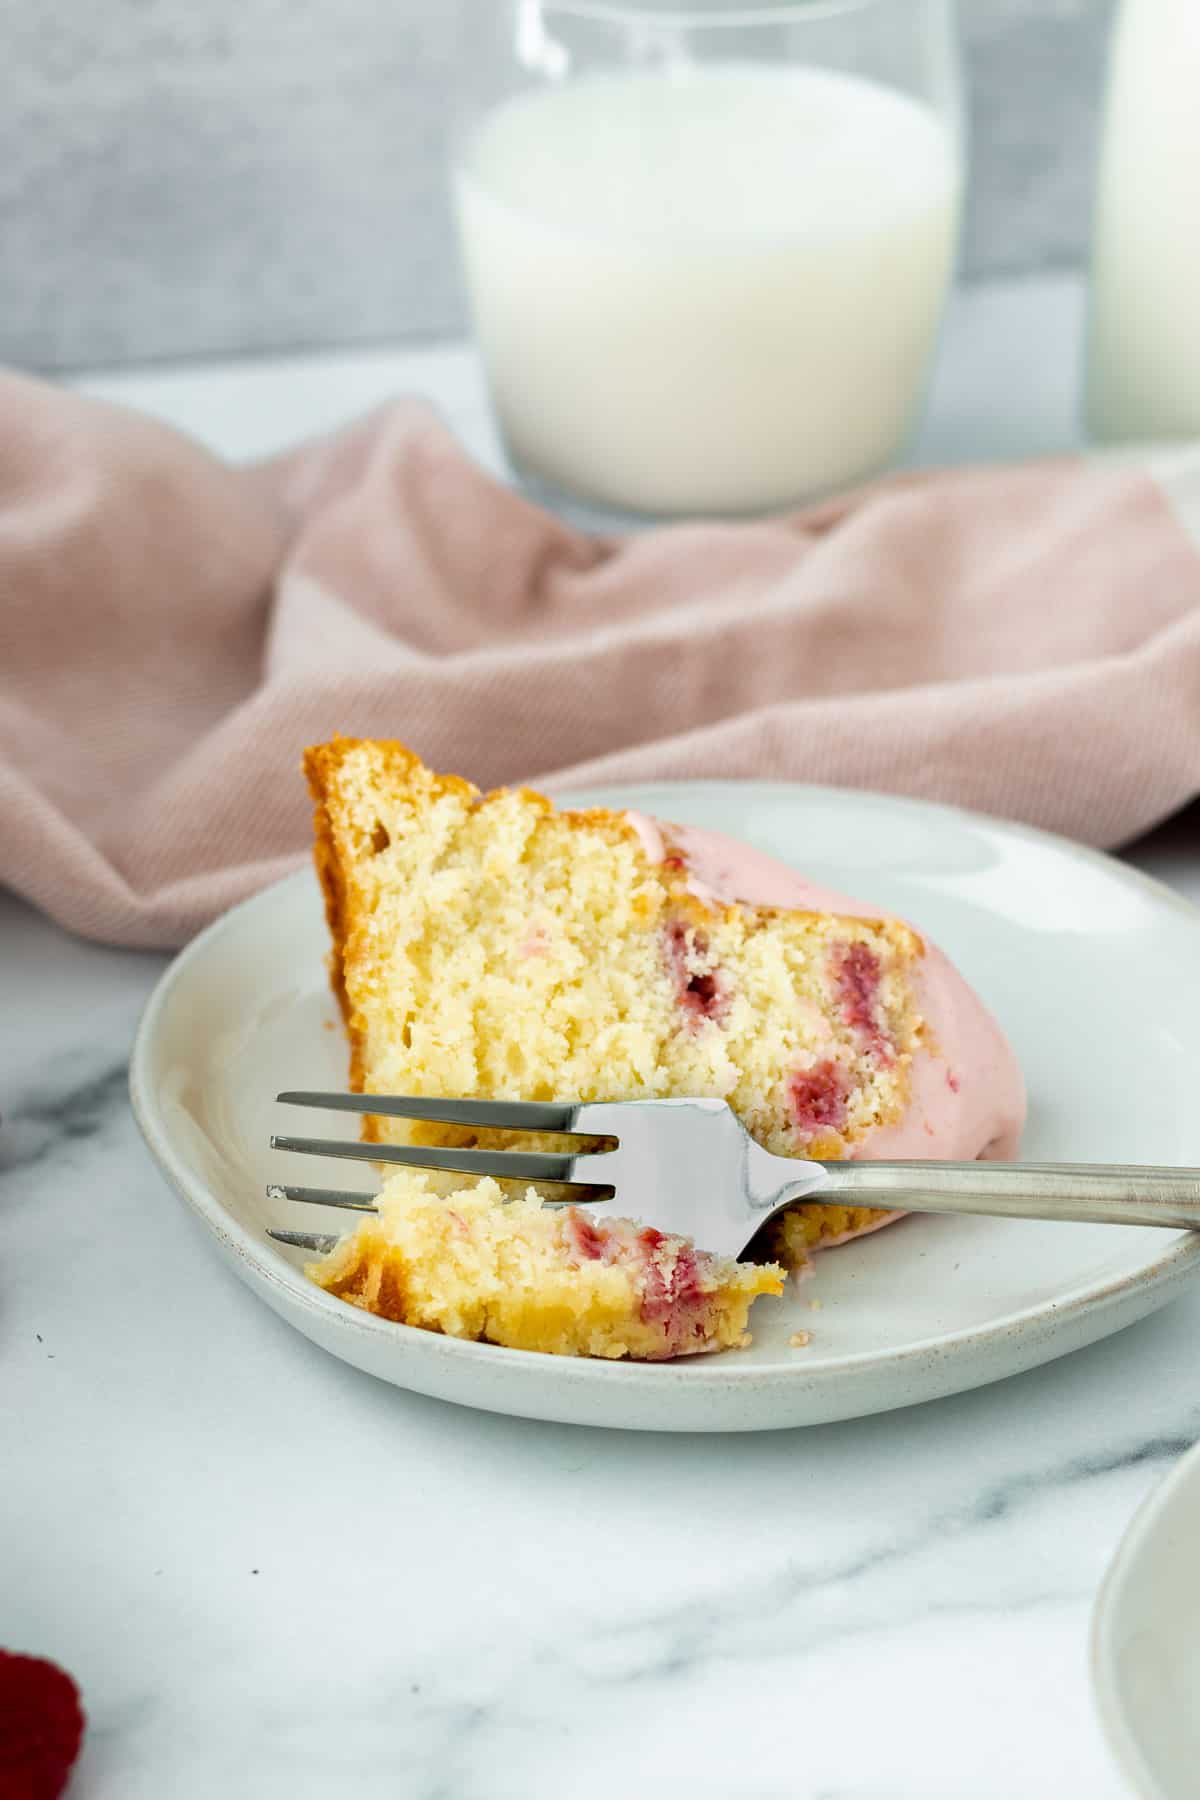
(536,1277)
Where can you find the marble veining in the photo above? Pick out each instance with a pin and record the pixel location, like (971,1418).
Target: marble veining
(43,1120)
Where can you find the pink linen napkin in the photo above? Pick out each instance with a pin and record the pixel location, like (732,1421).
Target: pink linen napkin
(173,631)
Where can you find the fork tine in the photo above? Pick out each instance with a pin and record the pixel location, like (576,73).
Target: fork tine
(352,1200)
(526,1165)
(555,1193)
(320,1241)
(503,1115)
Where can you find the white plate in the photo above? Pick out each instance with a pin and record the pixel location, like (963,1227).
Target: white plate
(1080,958)
(1146,1641)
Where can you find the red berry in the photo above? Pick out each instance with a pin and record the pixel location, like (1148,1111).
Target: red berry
(41,1727)
(858,975)
(818,1098)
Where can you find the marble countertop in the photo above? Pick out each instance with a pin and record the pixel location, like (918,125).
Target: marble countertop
(275,1577)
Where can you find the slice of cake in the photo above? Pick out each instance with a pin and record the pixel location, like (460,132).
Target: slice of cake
(489,945)
(537,1277)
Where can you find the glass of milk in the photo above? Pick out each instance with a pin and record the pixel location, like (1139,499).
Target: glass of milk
(707,247)
(1143,363)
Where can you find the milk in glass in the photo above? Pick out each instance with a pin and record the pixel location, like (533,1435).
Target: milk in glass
(1144,337)
(713,289)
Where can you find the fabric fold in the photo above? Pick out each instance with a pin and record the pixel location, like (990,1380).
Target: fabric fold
(174,630)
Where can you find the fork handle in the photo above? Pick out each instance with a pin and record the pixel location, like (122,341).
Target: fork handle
(1099,1193)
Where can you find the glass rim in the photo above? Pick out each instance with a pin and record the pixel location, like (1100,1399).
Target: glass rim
(688,14)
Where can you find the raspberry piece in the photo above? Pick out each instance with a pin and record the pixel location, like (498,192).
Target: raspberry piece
(818,1097)
(675,1298)
(41,1727)
(703,995)
(589,1241)
(858,975)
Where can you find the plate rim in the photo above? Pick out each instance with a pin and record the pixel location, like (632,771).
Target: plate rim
(1164,1272)
(1110,1708)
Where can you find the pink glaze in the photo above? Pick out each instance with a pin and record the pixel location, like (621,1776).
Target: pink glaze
(968,1094)
(649,835)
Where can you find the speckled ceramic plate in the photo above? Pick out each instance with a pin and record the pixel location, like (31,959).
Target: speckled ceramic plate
(1078,956)
(1146,1641)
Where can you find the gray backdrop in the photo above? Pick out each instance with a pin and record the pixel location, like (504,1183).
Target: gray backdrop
(197,177)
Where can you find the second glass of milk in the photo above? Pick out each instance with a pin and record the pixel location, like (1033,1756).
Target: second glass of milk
(707,247)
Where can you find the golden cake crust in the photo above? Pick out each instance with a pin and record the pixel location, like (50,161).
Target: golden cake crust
(337,846)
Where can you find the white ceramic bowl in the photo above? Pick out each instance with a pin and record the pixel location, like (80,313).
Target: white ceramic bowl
(1146,1641)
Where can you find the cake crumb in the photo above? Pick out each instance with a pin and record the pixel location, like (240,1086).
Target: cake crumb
(815,1304)
(799,1339)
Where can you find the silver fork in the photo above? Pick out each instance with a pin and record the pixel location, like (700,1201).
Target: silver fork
(689,1166)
